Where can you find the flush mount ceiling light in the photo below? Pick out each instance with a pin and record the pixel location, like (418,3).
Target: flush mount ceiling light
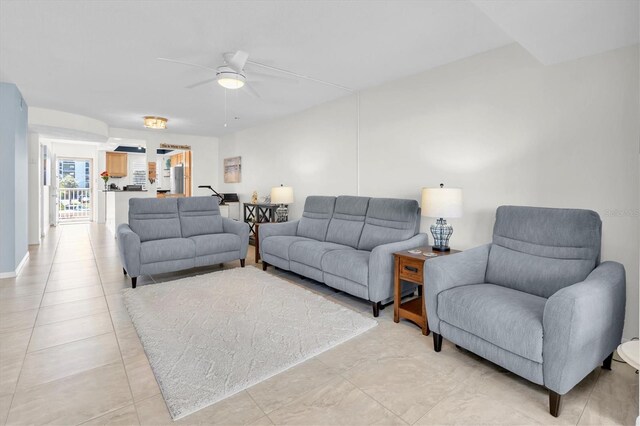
(151,122)
(230,79)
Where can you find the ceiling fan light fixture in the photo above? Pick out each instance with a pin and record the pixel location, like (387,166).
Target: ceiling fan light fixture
(152,122)
(230,80)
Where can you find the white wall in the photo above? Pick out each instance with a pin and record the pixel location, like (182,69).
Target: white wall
(35,188)
(313,151)
(502,126)
(204,153)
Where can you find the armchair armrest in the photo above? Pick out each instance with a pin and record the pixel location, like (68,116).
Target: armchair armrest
(129,248)
(582,325)
(381,266)
(241,229)
(443,273)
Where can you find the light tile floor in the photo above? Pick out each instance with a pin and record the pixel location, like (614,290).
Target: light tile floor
(69,355)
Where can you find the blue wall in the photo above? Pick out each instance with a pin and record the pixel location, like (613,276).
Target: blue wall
(13,175)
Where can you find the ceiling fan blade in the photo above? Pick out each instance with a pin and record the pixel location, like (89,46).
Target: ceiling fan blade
(200,83)
(261,76)
(305,77)
(237,61)
(251,90)
(187,63)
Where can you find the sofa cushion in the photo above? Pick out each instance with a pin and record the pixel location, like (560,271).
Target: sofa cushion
(278,245)
(166,250)
(199,216)
(389,220)
(315,218)
(215,243)
(541,250)
(347,221)
(352,265)
(310,253)
(507,318)
(154,218)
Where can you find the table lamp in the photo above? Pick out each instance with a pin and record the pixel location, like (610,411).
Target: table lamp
(282,195)
(441,203)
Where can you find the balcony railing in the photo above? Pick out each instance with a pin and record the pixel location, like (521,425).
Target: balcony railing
(74,204)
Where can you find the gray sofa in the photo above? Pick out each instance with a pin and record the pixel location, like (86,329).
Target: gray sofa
(536,301)
(345,242)
(171,234)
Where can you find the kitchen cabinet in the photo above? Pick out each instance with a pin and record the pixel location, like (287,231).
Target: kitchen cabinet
(177,159)
(117,164)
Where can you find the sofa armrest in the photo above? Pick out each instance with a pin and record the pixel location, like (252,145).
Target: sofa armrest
(381,266)
(129,248)
(443,273)
(582,325)
(270,229)
(241,229)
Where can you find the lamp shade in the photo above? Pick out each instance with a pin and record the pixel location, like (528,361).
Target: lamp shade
(282,195)
(442,202)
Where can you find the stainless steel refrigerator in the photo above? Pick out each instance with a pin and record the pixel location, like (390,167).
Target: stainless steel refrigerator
(177,180)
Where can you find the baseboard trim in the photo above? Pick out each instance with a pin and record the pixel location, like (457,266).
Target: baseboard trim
(15,273)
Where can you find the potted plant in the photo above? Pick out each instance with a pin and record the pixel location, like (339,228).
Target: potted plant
(105,177)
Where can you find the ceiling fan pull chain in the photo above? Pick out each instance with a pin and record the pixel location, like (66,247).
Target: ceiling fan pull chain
(225,107)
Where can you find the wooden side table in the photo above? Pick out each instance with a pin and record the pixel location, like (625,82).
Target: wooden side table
(410,267)
(256,242)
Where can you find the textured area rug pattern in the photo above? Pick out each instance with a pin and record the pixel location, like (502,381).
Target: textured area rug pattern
(211,336)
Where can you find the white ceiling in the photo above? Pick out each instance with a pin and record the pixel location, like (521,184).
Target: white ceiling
(97,58)
(556,31)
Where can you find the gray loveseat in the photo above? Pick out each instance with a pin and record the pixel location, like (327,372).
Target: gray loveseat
(536,301)
(171,234)
(345,242)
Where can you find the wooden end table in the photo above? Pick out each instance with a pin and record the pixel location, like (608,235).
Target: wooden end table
(410,267)
(256,242)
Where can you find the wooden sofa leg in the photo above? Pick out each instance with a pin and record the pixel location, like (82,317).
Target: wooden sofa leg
(124,271)
(437,342)
(606,364)
(264,265)
(242,263)
(376,309)
(554,403)
(133,282)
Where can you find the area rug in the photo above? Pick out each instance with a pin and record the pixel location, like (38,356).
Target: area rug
(211,336)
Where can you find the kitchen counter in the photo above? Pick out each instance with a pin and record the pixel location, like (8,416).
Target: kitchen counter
(122,190)
(117,206)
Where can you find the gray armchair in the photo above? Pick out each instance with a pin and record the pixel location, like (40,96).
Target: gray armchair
(536,301)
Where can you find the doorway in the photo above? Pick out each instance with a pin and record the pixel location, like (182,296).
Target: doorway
(173,173)
(75,201)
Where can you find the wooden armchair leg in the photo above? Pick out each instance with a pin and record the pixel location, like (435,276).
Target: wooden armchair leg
(437,342)
(606,364)
(264,265)
(134,282)
(376,309)
(554,403)
(242,263)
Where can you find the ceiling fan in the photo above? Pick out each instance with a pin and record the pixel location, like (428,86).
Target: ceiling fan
(232,74)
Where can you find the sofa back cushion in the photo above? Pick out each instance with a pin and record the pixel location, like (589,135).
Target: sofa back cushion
(316,216)
(541,250)
(154,218)
(199,216)
(389,220)
(347,222)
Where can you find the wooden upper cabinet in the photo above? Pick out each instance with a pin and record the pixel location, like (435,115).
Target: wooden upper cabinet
(177,159)
(117,164)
